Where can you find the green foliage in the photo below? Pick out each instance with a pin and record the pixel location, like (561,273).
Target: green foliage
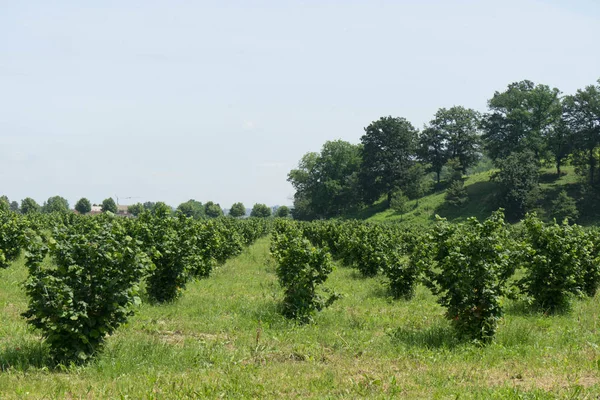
(260,211)
(326,183)
(237,210)
(418,182)
(582,116)
(455,168)
(14,207)
(136,209)
(433,149)
(589,257)
(559,260)
(109,205)
(216,332)
(282,212)
(182,247)
(83,206)
(559,142)
(149,206)
(462,127)
(456,194)
(232,242)
(202,243)
(328,234)
(29,206)
(250,229)
(521,119)
(87,291)
(361,244)
(402,274)
(591,264)
(370,248)
(526,118)
(468,265)
(12,228)
(56,204)
(453,133)
(389,146)
(564,206)
(483,165)
(4,204)
(166,247)
(192,209)
(519,180)
(399,202)
(206,244)
(301,267)
(212,210)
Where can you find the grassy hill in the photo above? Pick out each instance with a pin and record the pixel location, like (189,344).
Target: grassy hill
(483,199)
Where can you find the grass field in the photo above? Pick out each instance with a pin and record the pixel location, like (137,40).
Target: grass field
(225,338)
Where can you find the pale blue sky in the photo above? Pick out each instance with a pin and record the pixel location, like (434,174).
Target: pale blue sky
(218,100)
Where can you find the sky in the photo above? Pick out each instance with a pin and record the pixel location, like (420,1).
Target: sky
(218,100)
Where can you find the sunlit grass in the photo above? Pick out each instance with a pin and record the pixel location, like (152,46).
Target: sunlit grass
(482,200)
(225,338)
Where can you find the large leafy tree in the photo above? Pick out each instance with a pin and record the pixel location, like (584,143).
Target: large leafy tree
(237,210)
(518,178)
(582,114)
(109,205)
(136,209)
(326,183)
(212,210)
(388,153)
(452,133)
(56,204)
(260,211)
(560,143)
(192,208)
(304,180)
(433,149)
(282,212)
(521,118)
(462,127)
(29,205)
(83,206)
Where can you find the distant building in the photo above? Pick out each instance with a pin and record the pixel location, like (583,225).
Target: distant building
(123,211)
(95,210)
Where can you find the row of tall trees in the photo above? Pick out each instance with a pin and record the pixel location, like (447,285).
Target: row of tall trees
(191,208)
(55,204)
(196,209)
(536,118)
(526,125)
(29,205)
(392,156)
(530,125)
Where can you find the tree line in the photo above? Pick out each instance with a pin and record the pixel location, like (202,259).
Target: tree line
(54,204)
(191,208)
(526,126)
